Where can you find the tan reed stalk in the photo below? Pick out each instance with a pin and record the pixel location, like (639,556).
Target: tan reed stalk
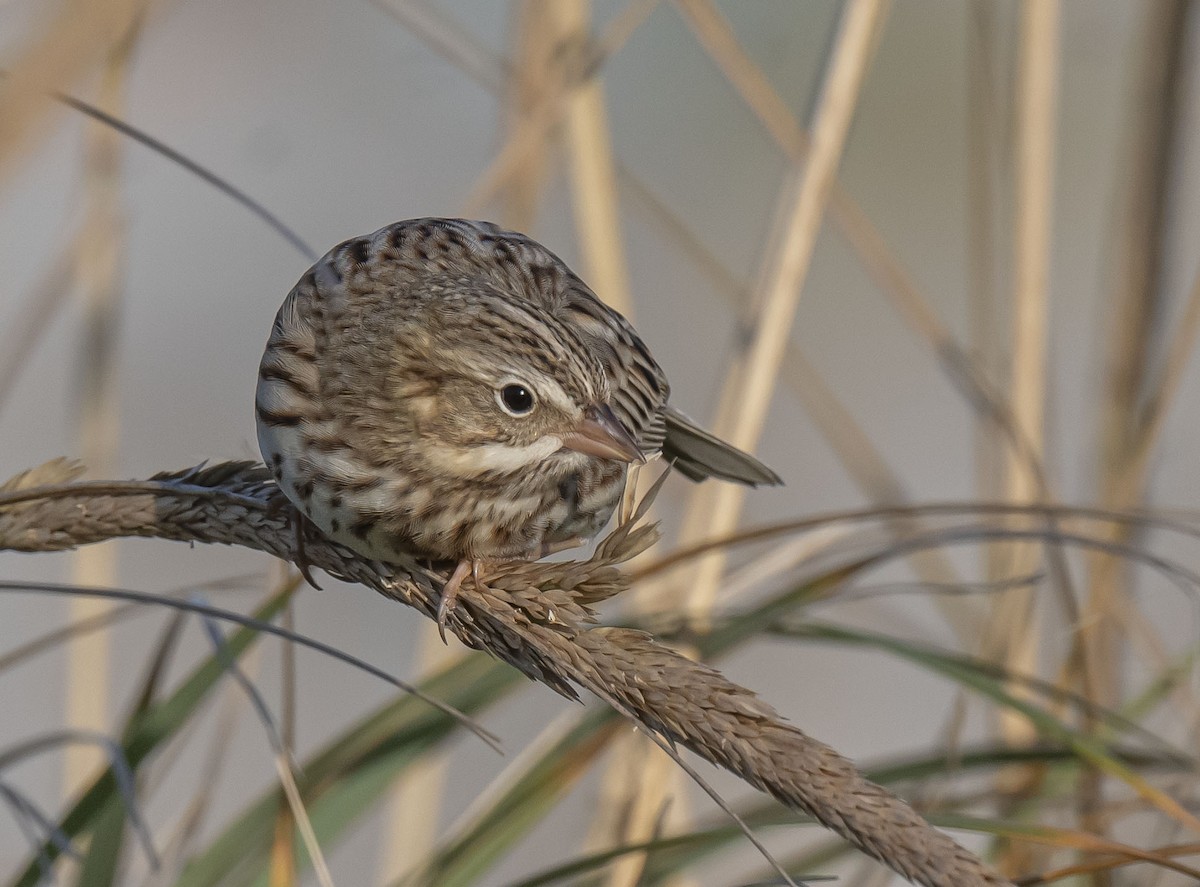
(1014,633)
(861,459)
(585,62)
(536,74)
(784,270)
(987,340)
(590,160)
(893,279)
(1129,427)
(102,241)
(1164,392)
(79,35)
(1031,260)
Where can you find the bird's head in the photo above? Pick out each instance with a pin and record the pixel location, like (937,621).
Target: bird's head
(495,388)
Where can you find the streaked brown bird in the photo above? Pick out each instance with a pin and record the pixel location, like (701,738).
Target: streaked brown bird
(448,390)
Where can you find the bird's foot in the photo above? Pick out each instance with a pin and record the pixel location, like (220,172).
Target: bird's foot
(450,591)
(300,527)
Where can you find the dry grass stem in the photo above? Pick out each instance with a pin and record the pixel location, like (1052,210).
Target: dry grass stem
(864,463)
(575,65)
(1014,633)
(801,210)
(532,79)
(590,160)
(537,617)
(1131,416)
(22,333)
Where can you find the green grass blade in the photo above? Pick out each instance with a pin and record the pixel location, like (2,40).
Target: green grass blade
(150,730)
(341,782)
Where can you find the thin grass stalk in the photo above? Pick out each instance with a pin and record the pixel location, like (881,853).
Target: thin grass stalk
(985,137)
(102,242)
(23,332)
(1164,392)
(1015,634)
(785,268)
(282,870)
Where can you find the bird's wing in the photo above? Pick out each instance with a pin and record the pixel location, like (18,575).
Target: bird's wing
(698,454)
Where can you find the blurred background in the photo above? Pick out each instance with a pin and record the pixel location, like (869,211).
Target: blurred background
(978,286)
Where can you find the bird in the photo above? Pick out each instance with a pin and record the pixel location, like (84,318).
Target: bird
(447,390)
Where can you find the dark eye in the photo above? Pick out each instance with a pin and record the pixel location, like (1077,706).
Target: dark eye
(516,399)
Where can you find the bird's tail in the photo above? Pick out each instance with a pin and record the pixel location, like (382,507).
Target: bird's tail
(698,454)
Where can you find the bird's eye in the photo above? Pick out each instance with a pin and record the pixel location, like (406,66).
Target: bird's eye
(516,399)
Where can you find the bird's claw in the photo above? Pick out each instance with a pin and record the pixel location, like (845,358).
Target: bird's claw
(450,592)
(301,557)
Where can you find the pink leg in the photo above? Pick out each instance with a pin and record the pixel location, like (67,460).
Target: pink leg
(450,592)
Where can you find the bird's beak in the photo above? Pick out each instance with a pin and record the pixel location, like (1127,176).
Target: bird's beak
(602,434)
